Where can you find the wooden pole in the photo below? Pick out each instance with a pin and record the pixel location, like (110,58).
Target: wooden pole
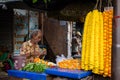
(69,25)
(42,20)
(28,24)
(14,34)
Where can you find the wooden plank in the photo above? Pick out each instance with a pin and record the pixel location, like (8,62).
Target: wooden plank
(19,42)
(14,78)
(20,36)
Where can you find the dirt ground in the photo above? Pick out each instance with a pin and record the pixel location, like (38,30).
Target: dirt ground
(3,75)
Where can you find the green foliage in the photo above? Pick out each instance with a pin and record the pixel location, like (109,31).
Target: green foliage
(35,67)
(34,1)
(45,1)
(49,0)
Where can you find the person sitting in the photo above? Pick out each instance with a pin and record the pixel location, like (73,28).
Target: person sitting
(30,49)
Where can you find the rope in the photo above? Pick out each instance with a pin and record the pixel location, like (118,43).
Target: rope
(96,4)
(100,5)
(110,2)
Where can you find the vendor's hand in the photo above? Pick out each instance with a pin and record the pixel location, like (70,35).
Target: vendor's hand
(31,59)
(37,53)
(44,52)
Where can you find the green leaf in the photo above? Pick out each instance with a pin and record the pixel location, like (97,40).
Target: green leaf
(49,0)
(45,1)
(34,1)
(35,67)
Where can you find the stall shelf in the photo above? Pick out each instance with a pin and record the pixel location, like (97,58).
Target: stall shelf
(27,75)
(74,74)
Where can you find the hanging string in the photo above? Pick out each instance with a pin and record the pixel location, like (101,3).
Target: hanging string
(100,5)
(96,4)
(110,2)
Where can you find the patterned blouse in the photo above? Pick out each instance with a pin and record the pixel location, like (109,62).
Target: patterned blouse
(28,48)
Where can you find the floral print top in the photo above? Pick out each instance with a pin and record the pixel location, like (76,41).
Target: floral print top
(28,48)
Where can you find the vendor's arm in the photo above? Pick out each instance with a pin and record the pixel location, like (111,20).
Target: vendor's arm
(40,52)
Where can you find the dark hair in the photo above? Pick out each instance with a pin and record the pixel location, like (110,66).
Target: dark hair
(35,33)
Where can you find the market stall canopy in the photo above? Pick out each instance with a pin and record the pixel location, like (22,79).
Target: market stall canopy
(73,12)
(54,5)
(65,9)
(60,9)
(15,4)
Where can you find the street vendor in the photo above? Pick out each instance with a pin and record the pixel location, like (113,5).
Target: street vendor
(79,40)
(76,44)
(30,49)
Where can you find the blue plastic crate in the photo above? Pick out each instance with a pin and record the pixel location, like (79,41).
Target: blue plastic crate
(75,74)
(27,75)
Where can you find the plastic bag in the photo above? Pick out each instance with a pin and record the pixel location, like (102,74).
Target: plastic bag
(60,58)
